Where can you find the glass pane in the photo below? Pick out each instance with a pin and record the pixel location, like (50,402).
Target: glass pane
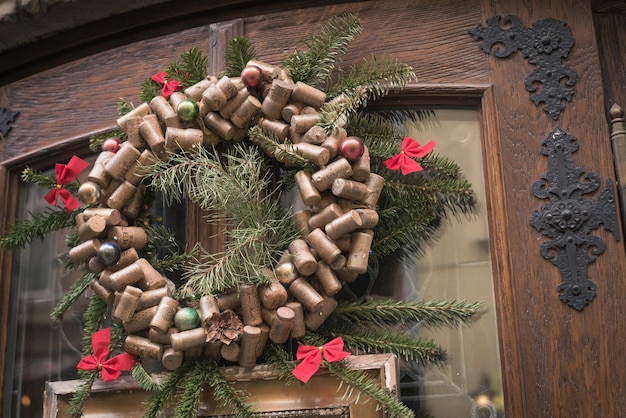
(456,267)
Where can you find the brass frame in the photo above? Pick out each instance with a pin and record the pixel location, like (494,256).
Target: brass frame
(322,396)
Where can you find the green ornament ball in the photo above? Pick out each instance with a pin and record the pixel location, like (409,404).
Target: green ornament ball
(186,318)
(188,110)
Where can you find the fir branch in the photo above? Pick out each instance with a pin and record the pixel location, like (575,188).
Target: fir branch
(191,387)
(325,45)
(189,68)
(92,319)
(433,313)
(82,393)
(239,51)
(30,175)
(77,289)
(369,386)
(282,362)
(167,390)
(149,90)
(96,141)
(144,380)
(282,152)
(38,227)
(224,393)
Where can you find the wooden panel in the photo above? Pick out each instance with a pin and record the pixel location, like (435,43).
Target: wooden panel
(611,35)
(569,364)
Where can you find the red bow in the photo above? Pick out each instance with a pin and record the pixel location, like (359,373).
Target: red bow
(404,160)
(169,86)
(65,174)
(111,368)
(313,357)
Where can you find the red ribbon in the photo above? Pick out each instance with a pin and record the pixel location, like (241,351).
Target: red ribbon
(312,357)
(169,86)
(111,368)
(404,160)
(65,174)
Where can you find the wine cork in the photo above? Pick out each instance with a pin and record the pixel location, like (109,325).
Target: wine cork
(214,98)
(313,153)
(153,297)
(177,139)
(185,340)
(108,191)
(289,110)
(208,308)
(140,320)
(172,359)
(229,86)
(233,103)
(345,224)
(212,350)
(268,315)
(127,257)
(247,349)
(166,309)
(151,132)
(314,135)
(127,304)
(220,126)
(128,236)
(230,352)
(162,108)
(323,179)
(121,161)
(122,195)
(346,275)
(262,343)
(136,203)
(375,185)
(325,216)
(339,263)
(301,221)
(105,294)
(270,72)
(276,98)
(133,134)
(175,99)
(161,338)
(92,228)
(98,174)
(310,195)
(209,138)
(327,199)
(359,251)
(327,279)
(308,95)
(95,265)
(350,189)
(120,279)
(280,328)
(245,112)
(141,111)
(278,128)
(303,122)
(369,218)
(304,293)
(323,245)
(333,142)
(135,173)
(361,167)
(272,295)
(229,300)
(111,216)
(286,272)
(143,347)
(152,279)
(250,305)
(313,320)
(298,329)
(84,251)
(302,258)
(195,91)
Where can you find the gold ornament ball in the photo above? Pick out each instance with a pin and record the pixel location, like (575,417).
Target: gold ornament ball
(89,193)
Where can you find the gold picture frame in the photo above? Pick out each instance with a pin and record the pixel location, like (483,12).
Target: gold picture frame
(321,396)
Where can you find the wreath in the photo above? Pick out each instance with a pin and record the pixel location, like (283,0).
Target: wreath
(237,143)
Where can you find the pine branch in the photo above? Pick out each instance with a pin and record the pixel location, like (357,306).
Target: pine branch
(77,289)
(239,51)
(326,44)
(282,152)
(38,227)
(144,380)
(433,313)
(224,393)
(190,68)
(96,141)
(167,390)
(281,361)
(92,319)
(81,394)
(192,388)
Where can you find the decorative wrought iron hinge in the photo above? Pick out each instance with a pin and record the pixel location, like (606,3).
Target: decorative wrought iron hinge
(545,44)
(568,217)
(7,117)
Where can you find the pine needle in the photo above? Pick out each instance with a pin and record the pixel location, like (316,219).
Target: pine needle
(77,289)
(38,227)
(82,393)
(224,393)
(239,51)
(144,380)
(167,390)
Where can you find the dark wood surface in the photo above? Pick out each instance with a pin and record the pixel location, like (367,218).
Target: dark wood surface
(557,362)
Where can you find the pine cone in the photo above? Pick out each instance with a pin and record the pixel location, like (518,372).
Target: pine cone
(225,327)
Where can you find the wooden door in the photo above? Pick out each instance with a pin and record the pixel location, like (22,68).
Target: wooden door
(556,361)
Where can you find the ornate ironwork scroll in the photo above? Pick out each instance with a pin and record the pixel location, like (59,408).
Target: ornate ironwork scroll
(568,217)
(7,117)
(545,44)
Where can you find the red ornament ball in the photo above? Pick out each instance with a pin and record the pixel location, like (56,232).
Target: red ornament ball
(252,76)
(352,148)
(111,144)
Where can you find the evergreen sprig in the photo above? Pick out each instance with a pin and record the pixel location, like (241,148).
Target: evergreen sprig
(224,393)
(281,361)
(77,289)
(190,390)
(239,51)
(190,68)
(96,141)
(82,393)
(38,227)
(92,319)
(144,379)
(326,44)
(431,313)
(271,146)
(167,390)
